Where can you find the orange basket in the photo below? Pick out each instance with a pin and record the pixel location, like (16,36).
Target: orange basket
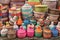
(34,3)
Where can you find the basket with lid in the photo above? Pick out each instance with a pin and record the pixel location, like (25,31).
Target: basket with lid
(54,11)
(17,0)
(53,17)
(39,15)
(38,32)
(11,34)
(34,2)
(5,1)
(51,3)
(40,8)
(46,32)
(27,11)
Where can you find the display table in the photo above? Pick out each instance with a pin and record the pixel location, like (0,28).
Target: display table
(34,38)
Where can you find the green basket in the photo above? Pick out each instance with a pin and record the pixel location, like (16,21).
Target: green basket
(38,34)
(41,8)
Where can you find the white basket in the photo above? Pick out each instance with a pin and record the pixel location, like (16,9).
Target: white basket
(51,3)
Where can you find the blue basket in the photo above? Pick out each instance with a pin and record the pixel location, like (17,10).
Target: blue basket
(55,32)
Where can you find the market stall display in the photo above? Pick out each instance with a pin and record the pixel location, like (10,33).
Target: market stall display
(35,18)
